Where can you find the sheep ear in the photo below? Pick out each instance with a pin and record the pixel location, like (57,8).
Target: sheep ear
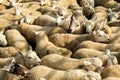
(22,53)
(30,48)
(92,33)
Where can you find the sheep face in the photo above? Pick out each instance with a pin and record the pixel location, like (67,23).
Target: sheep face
(3,41)
(18,10)
(100,36)
(60,20)
(32,59)
(74,25)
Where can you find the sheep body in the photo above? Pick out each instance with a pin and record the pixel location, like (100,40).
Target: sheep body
(45,20)
(17,41)
(8,52)
(98,46)
(70,40)
(42,71)
(63,63)
(44,46)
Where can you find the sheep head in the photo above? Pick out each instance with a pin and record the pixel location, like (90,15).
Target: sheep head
(31,58)
(74,25)
(100,36)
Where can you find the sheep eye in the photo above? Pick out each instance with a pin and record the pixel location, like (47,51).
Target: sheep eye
(30,57)
(77,25)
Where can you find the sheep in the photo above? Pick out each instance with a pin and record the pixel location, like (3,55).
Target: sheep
(8,52)
(101,2)
(5,23)
(101,11)
(112,78)
(111,69)
(86,53)
(45,3)
(13,71)
(3,41)
(4,2)
(29,59)
(76,24)
(64,63)
(111,4)
(17,41)
(114,23)
(52,74)
(113,15)
(71,40)
(115,29)
(26,29)
(90,53)
(45,47)
(2,7)
(46,20)
(88,5)
(98,46)
(8,11)
(114,38)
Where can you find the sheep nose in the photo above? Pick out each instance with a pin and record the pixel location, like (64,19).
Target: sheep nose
(108,39)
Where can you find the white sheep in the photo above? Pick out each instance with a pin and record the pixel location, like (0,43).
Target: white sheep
(45,47)
(98,46)
(64,63)
(28,59)
(52,74)
(17,41)
(69,41)
(3,41)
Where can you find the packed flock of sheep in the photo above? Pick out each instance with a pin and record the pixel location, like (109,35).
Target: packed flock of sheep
(59,39)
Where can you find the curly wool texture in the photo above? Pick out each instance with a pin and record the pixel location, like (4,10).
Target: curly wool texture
(8,52)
